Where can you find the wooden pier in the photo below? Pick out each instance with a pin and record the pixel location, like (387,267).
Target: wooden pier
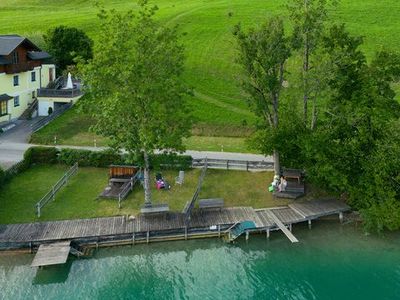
(209,222)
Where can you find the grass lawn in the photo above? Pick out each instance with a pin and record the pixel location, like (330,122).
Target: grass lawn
(78,199)
(72,128)
(210,46)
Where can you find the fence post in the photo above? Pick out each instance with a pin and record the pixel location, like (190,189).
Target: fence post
(38,210)
(227,164)
(247,165)
(54,194)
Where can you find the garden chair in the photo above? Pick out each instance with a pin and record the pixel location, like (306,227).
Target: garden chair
(179,179)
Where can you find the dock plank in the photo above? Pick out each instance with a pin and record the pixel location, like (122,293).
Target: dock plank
(51,254)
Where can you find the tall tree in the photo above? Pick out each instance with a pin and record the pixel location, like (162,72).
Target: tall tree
(308,18)
(263,54)
(134,85)
(67,43)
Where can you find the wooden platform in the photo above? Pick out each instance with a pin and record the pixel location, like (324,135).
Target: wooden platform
(159,225)
(52,254)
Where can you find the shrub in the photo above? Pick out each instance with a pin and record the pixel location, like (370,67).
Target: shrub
(2,177)
(86,158)
(40,155)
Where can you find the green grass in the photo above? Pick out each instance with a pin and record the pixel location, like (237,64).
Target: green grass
(219,104)
(72,128)
(78,199)
(210,47)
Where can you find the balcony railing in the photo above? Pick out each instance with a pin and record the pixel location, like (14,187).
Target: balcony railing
(21,67)
(59,93)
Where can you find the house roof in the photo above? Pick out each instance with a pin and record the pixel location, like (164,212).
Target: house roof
(38,55)
(5,97)
(9,42)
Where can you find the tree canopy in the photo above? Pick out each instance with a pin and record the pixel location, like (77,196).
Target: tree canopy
(346,149)
(66,44)
(134,85)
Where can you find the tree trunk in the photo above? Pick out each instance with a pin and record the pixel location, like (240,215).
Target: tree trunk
(277,165)
(147,191)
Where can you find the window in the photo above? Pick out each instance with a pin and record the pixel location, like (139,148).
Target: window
(16,80)
(15,58)
(33,76)
(16,101)
(3,108)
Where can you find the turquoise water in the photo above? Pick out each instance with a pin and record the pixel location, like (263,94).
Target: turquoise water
(330,262)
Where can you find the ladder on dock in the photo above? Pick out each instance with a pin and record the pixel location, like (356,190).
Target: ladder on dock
(283,228)
(238,229)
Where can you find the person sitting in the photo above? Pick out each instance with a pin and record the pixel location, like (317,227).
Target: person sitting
(283,184)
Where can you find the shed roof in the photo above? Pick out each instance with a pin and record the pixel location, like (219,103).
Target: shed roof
(38,55)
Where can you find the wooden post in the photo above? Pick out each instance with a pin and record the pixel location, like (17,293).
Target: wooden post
(54,194)
(185,232)
(219,230)
(227,164)
(133,238)
(341,217)
(267,233)
(309,224)
(247,165)
(148,236)
(38,210)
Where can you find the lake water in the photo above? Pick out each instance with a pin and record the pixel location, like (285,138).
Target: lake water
(330,262)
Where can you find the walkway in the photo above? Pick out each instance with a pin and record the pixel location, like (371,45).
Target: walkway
(120,227)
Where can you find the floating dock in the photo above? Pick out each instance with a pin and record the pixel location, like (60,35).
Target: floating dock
(52,254)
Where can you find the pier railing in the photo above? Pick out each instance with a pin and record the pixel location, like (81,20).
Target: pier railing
(228,164)
(51,195)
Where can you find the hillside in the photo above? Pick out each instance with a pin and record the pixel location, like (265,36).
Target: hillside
(208,39)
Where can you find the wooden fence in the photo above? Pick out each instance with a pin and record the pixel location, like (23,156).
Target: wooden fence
(233,164)
(51,195)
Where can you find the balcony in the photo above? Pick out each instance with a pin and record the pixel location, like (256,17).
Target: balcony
(59,93)
(21,67)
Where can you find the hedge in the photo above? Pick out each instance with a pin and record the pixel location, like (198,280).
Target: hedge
(87,158)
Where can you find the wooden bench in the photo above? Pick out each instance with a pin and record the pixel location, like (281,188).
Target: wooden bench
(120,180)
(211,203)
(155,209)
(293,173)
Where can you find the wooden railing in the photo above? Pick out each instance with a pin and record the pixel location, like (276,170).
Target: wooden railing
(233,164)
(51,195)
(59,93)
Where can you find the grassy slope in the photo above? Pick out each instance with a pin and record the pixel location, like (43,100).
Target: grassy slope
(218,104)
(78,198)
(209,42)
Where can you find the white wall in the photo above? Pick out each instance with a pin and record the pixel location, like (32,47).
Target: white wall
(43,107)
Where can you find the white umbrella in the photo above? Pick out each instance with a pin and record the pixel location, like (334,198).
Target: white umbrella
(69,82)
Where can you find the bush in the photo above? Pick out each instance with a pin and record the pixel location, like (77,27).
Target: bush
(86,158)
(40,155)
(2,177)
